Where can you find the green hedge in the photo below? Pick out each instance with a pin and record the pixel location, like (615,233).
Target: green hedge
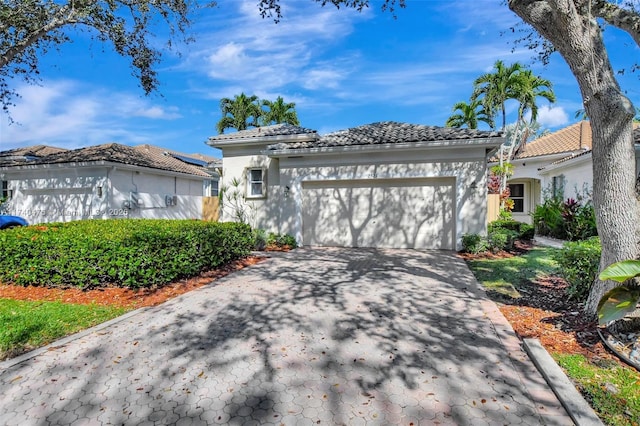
(579,262)
(123,252)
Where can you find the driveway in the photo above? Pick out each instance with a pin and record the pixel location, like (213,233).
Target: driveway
(314,336)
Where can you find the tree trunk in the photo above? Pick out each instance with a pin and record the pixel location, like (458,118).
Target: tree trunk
(578,38)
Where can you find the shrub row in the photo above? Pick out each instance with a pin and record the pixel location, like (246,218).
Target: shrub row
(124,252)
(579,263)
(501,235)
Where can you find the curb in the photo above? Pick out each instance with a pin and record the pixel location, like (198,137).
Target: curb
(4,365)
(577,408)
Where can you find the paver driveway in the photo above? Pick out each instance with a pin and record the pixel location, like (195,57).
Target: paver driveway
(315,336)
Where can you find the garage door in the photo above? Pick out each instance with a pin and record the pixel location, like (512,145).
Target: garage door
(394,213)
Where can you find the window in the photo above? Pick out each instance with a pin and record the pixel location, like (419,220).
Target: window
(557,187)
(517,195)
(256,185)
(214,190)
(5,192)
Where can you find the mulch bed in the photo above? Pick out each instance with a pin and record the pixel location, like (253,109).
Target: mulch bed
(124,297)
(545,312)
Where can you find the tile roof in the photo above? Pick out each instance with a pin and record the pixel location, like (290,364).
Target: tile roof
(158,152)
(117,153)
(388,132)
(571,139)
(35,151)
(282,129)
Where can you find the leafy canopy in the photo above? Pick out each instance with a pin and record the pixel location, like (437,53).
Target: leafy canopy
(32,28)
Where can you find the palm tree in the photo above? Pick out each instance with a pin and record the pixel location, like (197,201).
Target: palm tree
(239,113)
(469,115)
(495,88)
(279,112)
(528,88)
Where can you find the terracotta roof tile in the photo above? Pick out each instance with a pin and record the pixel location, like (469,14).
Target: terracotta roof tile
(574,138)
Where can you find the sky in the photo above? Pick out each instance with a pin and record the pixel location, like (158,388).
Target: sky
(342,68)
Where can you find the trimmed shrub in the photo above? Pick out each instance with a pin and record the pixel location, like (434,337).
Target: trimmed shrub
(123,252)
(579,263)
(510,225)
(526,231)
(473,243)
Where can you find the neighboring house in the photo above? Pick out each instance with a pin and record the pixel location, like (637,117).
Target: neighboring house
(558,164)
(379,185)
(47,184)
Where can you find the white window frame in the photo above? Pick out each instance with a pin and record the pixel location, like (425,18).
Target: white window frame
(250,183)
(523,197)
(214,188)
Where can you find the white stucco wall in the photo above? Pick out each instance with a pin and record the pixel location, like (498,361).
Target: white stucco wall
(61,194)
(236,161)
(151,190)
(283,214)
(577,173)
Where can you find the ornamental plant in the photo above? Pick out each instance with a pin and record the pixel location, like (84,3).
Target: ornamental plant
(619,301)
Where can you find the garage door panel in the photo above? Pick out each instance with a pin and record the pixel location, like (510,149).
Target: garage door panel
(401,213)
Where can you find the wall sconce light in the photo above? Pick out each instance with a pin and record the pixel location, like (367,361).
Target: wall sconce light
(287,191)
(474,185)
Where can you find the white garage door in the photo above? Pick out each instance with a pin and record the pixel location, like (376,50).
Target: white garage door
(393,213)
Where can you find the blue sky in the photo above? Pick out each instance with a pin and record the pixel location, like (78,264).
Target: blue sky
(342,68)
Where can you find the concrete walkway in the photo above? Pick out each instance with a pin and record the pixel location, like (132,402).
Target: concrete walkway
(315,336)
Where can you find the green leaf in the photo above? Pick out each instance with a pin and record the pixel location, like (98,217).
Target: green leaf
(621,271)
(617,303)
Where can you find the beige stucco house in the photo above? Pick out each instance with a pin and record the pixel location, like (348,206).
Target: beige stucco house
(384,184)
(48,184)
(556,164)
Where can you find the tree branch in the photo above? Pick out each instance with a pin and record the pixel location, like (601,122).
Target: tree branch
(64,16)
(613,14)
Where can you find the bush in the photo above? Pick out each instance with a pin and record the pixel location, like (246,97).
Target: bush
(282,241)
(510,225)
(473,243)
(260,239)
(123,252)
(579,263)
(526,231)
(547,218)
(501,239)
(569,220)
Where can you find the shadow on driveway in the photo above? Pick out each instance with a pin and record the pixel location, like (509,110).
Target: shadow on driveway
(314,336)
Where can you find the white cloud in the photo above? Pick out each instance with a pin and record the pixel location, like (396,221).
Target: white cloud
(71,115)
(251,51)
(549,116)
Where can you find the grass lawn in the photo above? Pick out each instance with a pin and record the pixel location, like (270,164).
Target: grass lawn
(611,389)
(27,325)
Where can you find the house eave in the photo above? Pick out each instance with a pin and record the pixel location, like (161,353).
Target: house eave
(300,152)
(573,161)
